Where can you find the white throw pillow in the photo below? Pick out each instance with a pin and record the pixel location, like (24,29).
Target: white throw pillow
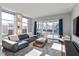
(13,38)
(6,38)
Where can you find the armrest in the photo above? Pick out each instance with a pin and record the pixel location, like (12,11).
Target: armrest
(10,45)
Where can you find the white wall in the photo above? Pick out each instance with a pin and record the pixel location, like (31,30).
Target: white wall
(75,13)
(66,21)
(0,25)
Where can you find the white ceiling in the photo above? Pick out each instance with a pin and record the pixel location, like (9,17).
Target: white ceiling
(39,9)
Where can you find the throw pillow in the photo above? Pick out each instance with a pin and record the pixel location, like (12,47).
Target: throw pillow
(13,38)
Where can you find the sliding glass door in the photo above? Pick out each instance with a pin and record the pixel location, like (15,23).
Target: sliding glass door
(48,29)
(49,32)
(56,29)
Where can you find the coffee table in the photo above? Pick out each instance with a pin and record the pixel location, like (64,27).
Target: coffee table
(40,42)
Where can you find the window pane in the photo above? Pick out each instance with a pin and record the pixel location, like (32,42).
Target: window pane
(24,28)
(7,27)
(56,27)
(25,20)
(7,16)
(49,24)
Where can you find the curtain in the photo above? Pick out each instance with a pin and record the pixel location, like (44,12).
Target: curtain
(35,27)
(61,27)
(77,26)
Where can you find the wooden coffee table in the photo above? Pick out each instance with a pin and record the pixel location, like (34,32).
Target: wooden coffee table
(40,42)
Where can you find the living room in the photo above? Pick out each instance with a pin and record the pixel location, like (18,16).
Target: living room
(38,29)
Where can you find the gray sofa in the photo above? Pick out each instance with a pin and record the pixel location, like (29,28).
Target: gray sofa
(14,46)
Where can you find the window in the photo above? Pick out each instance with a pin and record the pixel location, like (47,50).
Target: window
(7,16)
(48,29)
(7,24)
(24,25)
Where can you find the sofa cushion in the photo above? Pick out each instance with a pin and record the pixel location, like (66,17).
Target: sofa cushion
(6,37)
(31,39)
(22,44)
(23,36)
(13,37)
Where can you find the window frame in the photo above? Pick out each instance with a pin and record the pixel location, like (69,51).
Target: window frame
(25,23)
(9,12)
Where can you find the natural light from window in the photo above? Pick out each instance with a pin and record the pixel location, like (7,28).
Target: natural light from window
(7,16)
(25,25)
(7,23)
